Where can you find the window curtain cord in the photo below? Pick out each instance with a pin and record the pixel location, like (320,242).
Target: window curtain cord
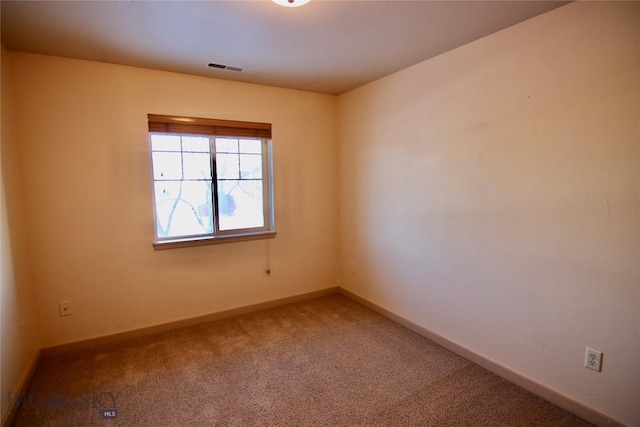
(268,259)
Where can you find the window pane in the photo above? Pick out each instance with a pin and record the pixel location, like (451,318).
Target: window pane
(165,143)
(183,208)
(251,146)
(195,143)
(250,166)
(240,204)
(227,166)
(197,166)
(167,165)
(226,145)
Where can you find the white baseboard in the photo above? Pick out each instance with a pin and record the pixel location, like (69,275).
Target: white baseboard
(528,384)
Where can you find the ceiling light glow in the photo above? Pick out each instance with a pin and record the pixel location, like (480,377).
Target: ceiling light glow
(291,3)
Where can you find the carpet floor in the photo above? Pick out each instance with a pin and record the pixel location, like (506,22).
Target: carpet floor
(324,362)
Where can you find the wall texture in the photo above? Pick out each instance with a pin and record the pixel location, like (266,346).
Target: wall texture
(491,195)
(17,353)
(84,153)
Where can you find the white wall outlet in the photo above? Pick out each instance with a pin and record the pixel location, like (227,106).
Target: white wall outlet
(593,359)
(353,267)
(65,308)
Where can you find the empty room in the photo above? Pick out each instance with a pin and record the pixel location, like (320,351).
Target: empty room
(294,212)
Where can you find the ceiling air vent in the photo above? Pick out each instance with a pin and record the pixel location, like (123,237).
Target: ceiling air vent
(226,67)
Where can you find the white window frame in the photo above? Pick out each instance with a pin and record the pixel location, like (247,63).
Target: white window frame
(212,129)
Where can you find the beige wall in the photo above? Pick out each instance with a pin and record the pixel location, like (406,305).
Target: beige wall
(85,162)
(491,195)
(16,294)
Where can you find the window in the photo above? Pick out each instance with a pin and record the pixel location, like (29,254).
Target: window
(212,180)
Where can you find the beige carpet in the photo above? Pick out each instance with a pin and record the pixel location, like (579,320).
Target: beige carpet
(327,361)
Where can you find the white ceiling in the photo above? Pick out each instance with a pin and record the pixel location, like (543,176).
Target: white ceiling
(326,46)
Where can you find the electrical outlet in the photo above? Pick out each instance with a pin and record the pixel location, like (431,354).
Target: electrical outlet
(23,331)
(65,308)
(353,267)
(593,359)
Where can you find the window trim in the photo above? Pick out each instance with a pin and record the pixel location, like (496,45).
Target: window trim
(186,242)
(174,125)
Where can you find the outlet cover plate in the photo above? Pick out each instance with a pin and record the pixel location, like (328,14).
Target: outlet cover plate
(593,359)
(65,308)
